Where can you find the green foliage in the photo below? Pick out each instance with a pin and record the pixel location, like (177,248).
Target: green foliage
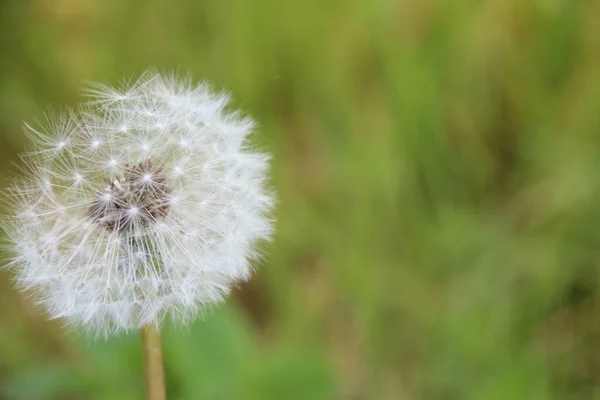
(437,168)
(218,358)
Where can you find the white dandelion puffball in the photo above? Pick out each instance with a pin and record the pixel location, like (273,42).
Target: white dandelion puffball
(145,203)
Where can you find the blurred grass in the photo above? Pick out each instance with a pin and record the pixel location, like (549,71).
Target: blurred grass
(437,166)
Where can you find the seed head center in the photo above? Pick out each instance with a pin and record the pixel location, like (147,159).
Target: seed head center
(136,199)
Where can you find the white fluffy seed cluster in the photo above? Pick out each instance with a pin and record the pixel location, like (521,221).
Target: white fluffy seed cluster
(145,203)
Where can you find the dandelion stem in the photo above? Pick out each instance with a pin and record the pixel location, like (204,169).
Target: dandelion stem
(153,363)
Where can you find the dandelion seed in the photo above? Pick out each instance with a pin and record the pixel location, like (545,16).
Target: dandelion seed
(147,203)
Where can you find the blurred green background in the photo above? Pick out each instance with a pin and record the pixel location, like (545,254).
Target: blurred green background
(438,169)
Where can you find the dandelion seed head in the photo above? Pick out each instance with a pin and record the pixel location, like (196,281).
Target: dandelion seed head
(146,203)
